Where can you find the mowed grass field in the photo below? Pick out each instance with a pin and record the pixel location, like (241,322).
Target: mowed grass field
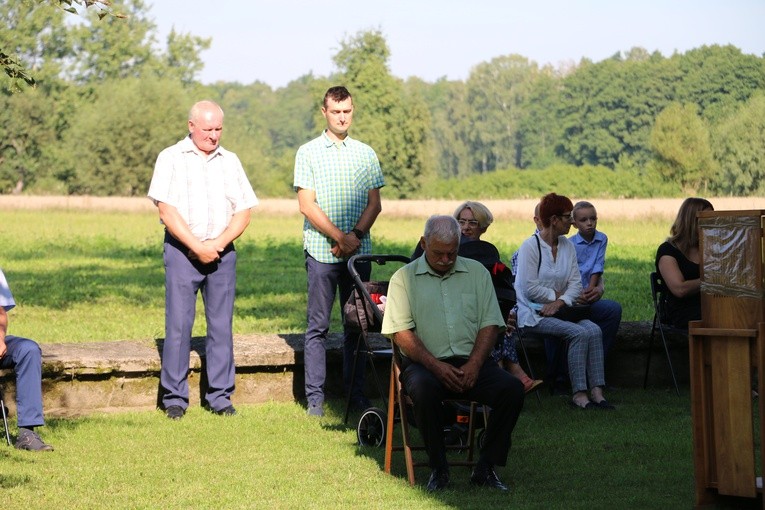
(90,274)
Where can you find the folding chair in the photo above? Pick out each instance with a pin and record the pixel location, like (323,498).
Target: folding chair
(398,402)
(659,291)
(4,412)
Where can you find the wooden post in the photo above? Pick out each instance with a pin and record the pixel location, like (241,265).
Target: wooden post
(726,346)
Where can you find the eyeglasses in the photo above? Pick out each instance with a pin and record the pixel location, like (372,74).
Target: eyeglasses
(566,217)
(472,223)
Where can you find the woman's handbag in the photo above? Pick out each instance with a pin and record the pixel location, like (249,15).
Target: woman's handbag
(573,313)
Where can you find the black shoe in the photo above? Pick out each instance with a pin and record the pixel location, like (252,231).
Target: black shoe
(226,411)
(175,412)
(439,479)
(29,440)
(487,478)
(605,404)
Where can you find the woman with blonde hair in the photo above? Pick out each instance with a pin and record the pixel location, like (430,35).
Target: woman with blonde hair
(677,262)
(474,218)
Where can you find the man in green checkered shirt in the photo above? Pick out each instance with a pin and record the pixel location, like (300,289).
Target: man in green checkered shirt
(338,181)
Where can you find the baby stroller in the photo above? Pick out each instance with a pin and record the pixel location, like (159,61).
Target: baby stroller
(364,313)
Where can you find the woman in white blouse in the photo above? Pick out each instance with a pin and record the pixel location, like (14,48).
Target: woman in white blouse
(546,281)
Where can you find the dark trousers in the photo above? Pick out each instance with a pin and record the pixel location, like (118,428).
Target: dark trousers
(24,357)
(495,387)
(323,283)
(217,282)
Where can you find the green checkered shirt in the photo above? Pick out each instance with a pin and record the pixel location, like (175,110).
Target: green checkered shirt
(341,175)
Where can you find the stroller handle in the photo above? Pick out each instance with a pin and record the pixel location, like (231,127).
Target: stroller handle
(379,260)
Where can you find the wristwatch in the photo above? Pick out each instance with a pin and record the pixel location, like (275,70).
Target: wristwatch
(358,233)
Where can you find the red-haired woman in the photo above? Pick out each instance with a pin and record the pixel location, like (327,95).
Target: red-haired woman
(546,281)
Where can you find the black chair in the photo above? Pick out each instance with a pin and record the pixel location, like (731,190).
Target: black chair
(659,292)
(4,412)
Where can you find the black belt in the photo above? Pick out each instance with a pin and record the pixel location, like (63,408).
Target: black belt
(172,241)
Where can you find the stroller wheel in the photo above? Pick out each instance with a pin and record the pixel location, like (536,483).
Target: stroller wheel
(481,438)
(371,428)
(455,437)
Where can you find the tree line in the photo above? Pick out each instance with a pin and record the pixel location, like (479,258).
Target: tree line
(107,97)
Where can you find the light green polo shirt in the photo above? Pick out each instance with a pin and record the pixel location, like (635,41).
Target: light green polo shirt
(446,312)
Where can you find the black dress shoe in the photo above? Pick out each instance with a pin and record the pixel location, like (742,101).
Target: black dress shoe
(439,479)
(226,411)
(175,412)
(487,478)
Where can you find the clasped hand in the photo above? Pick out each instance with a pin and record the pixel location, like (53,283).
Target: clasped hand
(590,295)
(347,246)
(208,253)
(457,380)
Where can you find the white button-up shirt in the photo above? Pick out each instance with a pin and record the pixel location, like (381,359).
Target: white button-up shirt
(206,190)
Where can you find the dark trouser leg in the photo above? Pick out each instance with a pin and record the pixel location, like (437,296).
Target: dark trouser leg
(495,387)
(322,287)
(218,293)
(504,394)
(607,314)
(24,357)
(427,393)
(182,280)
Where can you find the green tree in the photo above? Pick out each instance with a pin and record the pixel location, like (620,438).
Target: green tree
(392,123)
(718,79)
(498,93)
(114,140)
(680,140)
(247,126)
(27,130)
(16,64)
(449,125)
(33,40)
(740,150)
(607,109)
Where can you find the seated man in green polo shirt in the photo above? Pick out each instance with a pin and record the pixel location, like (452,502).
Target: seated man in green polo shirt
(443,314)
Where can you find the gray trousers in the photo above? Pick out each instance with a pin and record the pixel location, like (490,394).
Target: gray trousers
(217,283)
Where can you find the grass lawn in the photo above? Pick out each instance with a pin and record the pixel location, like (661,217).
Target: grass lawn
(85,276)
(273,456)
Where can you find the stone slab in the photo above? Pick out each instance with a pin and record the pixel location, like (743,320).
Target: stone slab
(106,376)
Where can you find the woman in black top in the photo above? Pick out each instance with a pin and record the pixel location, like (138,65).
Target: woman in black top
(677,262)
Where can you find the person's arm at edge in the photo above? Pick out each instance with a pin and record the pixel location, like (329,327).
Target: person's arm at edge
(676,282)
(3,330)
(370,212)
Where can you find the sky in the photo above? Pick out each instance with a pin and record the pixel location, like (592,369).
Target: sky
(278,41)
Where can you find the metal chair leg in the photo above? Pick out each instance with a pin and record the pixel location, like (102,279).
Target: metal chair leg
(5,421)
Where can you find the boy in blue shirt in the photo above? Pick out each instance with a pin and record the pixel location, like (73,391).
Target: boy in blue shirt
(590,247)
